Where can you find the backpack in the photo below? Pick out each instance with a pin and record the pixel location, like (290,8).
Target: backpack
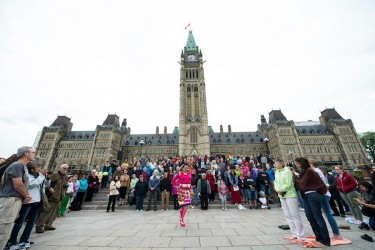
(2,171)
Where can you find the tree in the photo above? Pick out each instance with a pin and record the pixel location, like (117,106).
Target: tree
(368,142)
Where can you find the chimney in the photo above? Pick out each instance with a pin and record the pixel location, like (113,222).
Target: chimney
(165,130)
(157,130)
(221,129)
(229,129)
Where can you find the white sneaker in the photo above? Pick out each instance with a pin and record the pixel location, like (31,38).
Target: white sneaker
(19,246)
(141,210)
(27,244)
(191,206)
(358,222)
(167,209)
(137,210)
(226,209)
(301,209)
(162,210)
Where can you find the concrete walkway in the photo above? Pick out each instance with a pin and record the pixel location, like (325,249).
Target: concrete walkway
(211,229)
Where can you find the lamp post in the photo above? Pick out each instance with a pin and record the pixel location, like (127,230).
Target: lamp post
(142,142)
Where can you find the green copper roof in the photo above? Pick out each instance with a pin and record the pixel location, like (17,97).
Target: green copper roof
(190,44)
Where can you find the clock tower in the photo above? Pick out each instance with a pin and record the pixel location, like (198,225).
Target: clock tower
(193,122)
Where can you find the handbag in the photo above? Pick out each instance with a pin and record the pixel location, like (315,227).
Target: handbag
(45,206)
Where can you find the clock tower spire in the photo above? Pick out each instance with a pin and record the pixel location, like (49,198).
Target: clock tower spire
(193,121)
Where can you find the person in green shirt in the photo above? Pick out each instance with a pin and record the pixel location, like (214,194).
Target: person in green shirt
(284,186)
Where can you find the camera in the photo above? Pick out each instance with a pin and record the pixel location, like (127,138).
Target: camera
(65,186)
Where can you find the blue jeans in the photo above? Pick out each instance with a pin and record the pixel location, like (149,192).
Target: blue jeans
(195,197)
(300,200)
(247,193)
(313,208)
(372,222)
(327,211)
(252,194)
(139,202)
(30,211)
(265,189)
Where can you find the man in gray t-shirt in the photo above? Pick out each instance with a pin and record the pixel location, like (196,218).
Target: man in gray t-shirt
(15,170)
(13,192)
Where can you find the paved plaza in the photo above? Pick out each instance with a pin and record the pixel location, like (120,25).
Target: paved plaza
(211,229)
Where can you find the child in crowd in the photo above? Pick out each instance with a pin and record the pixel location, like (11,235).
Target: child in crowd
(263,200)
(223,191)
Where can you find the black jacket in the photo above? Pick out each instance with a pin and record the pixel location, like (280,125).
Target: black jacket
(263,179)
(165,184)
(141,188)
(194,179)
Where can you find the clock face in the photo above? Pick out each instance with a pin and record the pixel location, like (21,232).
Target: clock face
(191,58)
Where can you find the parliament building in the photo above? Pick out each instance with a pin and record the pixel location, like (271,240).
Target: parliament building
(331,140)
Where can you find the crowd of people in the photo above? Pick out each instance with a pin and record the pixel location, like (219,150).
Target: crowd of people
(251,182)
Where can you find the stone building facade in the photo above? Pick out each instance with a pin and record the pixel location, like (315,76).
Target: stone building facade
(331,140)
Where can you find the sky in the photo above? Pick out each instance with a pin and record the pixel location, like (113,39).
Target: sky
(87,59)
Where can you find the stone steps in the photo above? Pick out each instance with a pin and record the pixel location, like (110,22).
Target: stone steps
(100,201)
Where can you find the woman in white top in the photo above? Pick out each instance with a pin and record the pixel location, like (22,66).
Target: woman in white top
(113,193)
(30,210)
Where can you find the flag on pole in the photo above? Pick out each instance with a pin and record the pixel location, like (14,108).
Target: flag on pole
(187,26)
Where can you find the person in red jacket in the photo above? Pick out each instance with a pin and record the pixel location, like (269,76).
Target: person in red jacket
(346,184)
(211,180)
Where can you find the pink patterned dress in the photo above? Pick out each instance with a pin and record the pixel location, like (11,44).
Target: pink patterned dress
(184,189)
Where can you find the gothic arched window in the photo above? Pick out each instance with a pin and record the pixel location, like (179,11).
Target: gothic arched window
(193,135)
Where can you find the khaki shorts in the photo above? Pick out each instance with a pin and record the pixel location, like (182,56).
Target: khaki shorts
(9,210)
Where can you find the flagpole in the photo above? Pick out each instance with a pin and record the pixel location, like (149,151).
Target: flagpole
(187,26)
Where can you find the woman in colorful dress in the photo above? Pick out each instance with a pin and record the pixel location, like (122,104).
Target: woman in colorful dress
(185,192)
(174,190)
(235,194)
